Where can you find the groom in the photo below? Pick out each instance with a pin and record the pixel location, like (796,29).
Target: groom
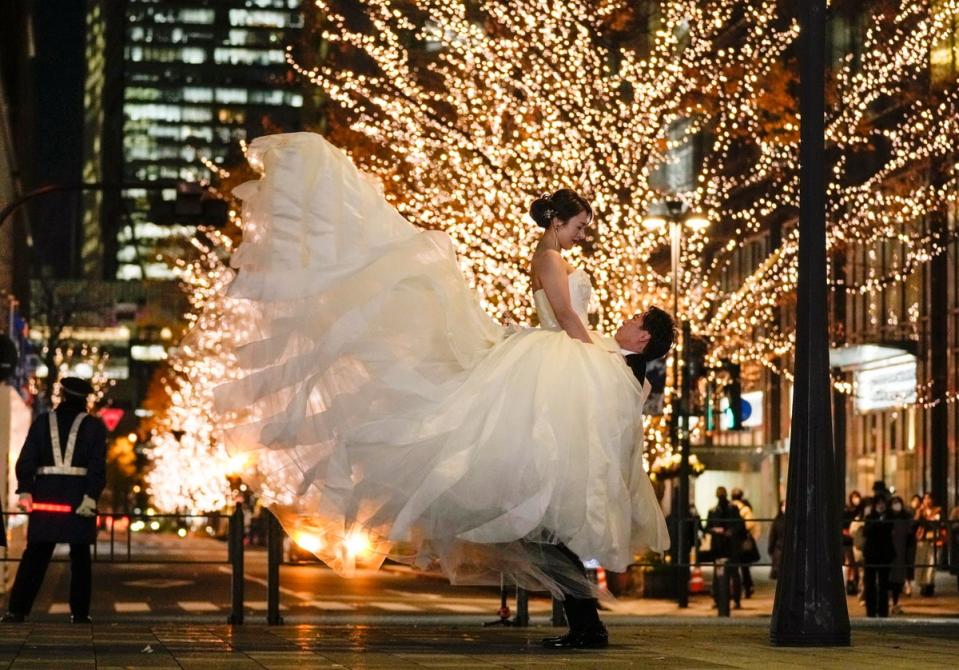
(645,337)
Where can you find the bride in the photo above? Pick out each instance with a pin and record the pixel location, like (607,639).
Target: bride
(392,416)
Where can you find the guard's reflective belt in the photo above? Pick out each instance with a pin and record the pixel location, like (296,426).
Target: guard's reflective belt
(62,463)
(61,470)
(52,507)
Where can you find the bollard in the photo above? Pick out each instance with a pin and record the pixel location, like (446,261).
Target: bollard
(522,608)
(559,616)
(236,567)
(721,587)
(274,556)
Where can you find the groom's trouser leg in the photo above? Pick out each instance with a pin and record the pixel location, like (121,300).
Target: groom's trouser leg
(581,613)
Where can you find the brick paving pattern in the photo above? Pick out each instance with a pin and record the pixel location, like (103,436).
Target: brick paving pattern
(678,644)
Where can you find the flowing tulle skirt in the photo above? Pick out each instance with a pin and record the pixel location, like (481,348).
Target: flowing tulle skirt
(392,417)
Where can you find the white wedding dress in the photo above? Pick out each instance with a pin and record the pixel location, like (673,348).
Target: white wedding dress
(385,405)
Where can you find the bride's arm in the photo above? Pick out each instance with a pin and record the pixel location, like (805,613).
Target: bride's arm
(551,271)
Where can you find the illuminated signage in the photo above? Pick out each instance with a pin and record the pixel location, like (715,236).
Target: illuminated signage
(887,386)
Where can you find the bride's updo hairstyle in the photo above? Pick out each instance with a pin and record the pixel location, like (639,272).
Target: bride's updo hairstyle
(563,205)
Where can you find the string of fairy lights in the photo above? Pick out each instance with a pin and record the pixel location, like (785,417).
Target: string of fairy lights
(186,434)
(475,108)
(505,124)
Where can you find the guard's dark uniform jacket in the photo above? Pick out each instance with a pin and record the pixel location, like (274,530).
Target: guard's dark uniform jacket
(63,459)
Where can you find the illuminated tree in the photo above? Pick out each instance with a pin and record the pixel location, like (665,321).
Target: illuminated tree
(190,464)
(474,108)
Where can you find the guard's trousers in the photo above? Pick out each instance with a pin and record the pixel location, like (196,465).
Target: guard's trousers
(33,567)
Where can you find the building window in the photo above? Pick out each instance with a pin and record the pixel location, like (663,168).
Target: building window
(231,95)
(265,18)
(242,56)
(205,16)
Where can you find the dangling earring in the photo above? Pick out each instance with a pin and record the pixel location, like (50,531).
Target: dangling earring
(555,234)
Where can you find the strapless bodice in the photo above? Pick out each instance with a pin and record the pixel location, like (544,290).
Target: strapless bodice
(580,292)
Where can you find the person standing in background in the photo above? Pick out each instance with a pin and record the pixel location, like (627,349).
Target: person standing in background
(878,554)
(749,552)
(777,541)
(850,564)
(927,539)
(914,504)
(61,472)
(902,530)
(726,530)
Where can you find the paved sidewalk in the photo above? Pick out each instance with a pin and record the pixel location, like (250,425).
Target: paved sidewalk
(671,644)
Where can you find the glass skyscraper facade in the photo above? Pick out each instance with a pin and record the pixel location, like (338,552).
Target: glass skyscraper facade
(199,77)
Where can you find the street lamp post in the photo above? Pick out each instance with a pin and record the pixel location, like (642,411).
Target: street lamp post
(810,607)
(678,219)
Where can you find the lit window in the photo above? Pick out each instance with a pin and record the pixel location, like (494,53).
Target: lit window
(196,132)
(231,116)
(147,352)
(196,114)
(197,15)
(256,17)
(161,271)
(154,112)
(197,94)
(274,97)
(127,272)
(231,95)
(127,253)
(193,55)
(241,56)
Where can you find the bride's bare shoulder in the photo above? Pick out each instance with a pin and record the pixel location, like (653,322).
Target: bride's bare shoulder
(547,259)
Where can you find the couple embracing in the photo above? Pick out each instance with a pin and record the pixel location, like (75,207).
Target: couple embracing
(384,403)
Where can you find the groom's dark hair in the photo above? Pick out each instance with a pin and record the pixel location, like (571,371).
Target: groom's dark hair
(662,333)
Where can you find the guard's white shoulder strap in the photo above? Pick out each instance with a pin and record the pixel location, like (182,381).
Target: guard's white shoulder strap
(55,439)
(72,439)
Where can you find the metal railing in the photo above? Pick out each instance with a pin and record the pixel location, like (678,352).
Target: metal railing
(122,550)
(942,535)
(126,554)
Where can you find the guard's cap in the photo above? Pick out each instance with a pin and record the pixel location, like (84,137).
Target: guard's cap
(74,386)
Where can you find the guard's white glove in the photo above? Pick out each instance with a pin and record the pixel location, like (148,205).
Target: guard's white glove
(25,502)
(87,507)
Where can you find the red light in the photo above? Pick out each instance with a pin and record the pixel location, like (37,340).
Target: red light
(111,417)
(52,507)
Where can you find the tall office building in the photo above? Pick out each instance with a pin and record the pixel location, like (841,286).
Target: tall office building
(171,88)
(197,77)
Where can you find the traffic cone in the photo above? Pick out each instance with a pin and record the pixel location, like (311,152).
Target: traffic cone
(696,582)
(601,579)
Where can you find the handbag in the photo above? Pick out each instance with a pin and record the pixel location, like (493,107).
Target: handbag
(750,552)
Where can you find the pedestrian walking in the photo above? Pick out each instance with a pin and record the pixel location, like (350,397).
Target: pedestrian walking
(902,530)
(878,555)
(857,530)
(915,503)
(725,527)
(928,540)
(61,472)
(852,511)
(749,552)
(954,542)
(777,541)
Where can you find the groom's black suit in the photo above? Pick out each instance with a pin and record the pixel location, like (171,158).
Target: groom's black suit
(582,614)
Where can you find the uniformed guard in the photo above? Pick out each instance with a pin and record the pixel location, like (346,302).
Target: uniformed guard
(61,472)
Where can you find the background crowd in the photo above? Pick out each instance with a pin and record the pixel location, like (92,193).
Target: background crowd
(891,549)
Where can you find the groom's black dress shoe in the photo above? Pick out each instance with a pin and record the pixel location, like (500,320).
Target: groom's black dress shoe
(596,638)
